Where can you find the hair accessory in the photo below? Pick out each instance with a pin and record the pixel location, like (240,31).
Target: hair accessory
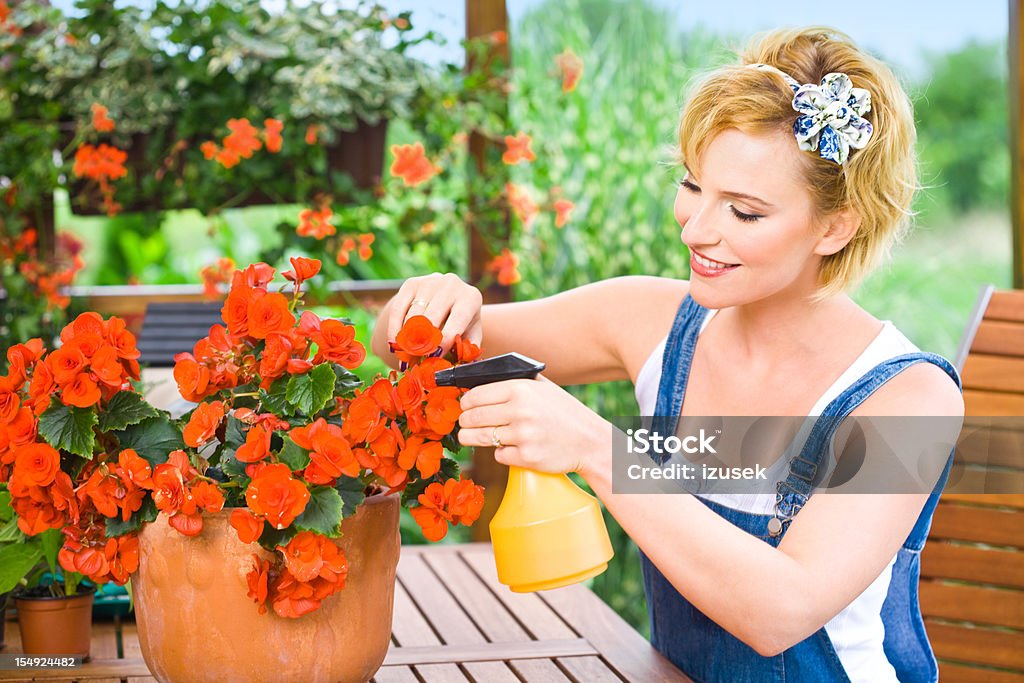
(831,117)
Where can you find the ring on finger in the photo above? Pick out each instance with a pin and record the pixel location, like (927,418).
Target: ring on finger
(420,302)
(495,441)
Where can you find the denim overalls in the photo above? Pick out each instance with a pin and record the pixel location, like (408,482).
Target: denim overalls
(706,651)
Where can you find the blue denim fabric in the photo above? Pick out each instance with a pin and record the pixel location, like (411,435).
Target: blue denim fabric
(706,651)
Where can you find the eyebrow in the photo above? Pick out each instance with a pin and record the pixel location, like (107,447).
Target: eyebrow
(737,195)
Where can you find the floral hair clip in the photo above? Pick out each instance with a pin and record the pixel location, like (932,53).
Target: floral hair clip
(831,117)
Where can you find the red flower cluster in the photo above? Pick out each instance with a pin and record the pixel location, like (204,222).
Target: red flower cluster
(315,223)
(96,360)
(243,141)
(100,121)
(227,358)
(46,278)
(103,163)
(412,165)
(348,245)
(314,568)
(456,502)
(216,274)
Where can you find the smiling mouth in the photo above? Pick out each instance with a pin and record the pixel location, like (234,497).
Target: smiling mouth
(709,263)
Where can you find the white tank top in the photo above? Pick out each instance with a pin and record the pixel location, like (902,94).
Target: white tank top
(857,631)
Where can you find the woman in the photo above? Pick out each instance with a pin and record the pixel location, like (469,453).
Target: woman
(800,173)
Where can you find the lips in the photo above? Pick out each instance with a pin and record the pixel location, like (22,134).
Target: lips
(705,267)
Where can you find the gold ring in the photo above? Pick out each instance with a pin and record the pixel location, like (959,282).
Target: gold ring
(495,441)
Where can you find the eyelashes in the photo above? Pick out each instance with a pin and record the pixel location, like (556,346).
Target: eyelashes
(687,184)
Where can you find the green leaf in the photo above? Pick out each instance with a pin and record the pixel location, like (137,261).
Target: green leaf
(234,434)
(232,466)
(6,511)
(310,392)
(51,541)
(69,428)
(154,438)
(125,408)
(323,512)
(449,469)
(351,491)
(451,441)
(271,537)
(276,400)
(17,560)
(294,455)
(345,382)
(147,513)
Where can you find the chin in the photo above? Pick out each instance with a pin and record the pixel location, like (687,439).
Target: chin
(710,295)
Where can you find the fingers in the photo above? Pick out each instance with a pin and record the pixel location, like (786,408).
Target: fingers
(444,299)
(486,416)
(489,394)
(475,333)
(482,437)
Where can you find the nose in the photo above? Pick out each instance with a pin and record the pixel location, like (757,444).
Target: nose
(696,220)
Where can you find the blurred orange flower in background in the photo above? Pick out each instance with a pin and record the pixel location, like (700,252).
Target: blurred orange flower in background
(100,121)
(517,148)
(571,68)
(506,265)
(412,165)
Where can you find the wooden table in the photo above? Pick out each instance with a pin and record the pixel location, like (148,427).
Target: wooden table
(453,622)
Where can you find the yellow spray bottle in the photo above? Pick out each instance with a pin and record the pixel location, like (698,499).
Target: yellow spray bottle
(547,532)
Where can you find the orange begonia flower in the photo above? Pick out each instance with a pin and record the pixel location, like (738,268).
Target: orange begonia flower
(102,163)
(304,555)
(248,525)
(465,350)
(311,133)
(571,68)
(10,402)
(202,426)
(517,148)
(36,464)
(100,120)
(336,342)
(315,224)
(272,134)
(269,313)
(412,165)
(277,496)
(242,140)
(82,392)
(506,265)
(563,209)
(302,269)
(258,580)
(418,337)
(256,446)
(209,149)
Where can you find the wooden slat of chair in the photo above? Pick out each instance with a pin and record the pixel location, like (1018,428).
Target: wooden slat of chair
(972,569)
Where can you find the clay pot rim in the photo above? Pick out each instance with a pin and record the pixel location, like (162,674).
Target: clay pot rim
(83,591)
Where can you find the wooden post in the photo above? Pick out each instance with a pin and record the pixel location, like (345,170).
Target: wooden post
(1015,50)
(484,17)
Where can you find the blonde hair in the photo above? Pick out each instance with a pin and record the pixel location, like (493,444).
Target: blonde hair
(877,182)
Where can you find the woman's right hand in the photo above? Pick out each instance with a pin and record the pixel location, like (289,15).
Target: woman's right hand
(447,301)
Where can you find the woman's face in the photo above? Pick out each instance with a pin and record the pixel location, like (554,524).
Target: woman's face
(748,208)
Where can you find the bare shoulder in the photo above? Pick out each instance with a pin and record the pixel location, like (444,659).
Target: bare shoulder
(921,389)
(649,305)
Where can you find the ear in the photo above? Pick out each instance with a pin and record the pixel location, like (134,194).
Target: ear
(841,227)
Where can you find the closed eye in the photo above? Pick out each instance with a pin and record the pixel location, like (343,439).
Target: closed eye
(685,182)
(745,217)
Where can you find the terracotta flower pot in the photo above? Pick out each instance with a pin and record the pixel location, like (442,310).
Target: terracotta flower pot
(197,624)
(55,626)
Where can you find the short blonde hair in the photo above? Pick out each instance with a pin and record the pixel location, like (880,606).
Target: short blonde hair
(878,182)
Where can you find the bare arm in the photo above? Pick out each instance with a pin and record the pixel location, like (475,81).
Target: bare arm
(586,334)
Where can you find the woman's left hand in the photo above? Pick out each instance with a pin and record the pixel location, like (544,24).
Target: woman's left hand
(532,423)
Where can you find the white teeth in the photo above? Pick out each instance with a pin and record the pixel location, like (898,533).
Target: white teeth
(707,263)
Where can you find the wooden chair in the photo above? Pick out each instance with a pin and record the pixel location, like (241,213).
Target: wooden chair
(972,568)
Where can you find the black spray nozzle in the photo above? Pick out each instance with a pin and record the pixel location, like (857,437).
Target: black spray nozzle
(497,369)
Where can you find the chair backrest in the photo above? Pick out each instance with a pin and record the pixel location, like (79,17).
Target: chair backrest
(172,327)
(972,568)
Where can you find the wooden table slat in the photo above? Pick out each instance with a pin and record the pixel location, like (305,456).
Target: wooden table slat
(539,671)
(588,670)
(395,674)
(540,620)
(435,603)
(482,606)
(408,626)
(490,672)
(441,673)
(484,652)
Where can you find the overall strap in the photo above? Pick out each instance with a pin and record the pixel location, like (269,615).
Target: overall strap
(794,491)
(675,369)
